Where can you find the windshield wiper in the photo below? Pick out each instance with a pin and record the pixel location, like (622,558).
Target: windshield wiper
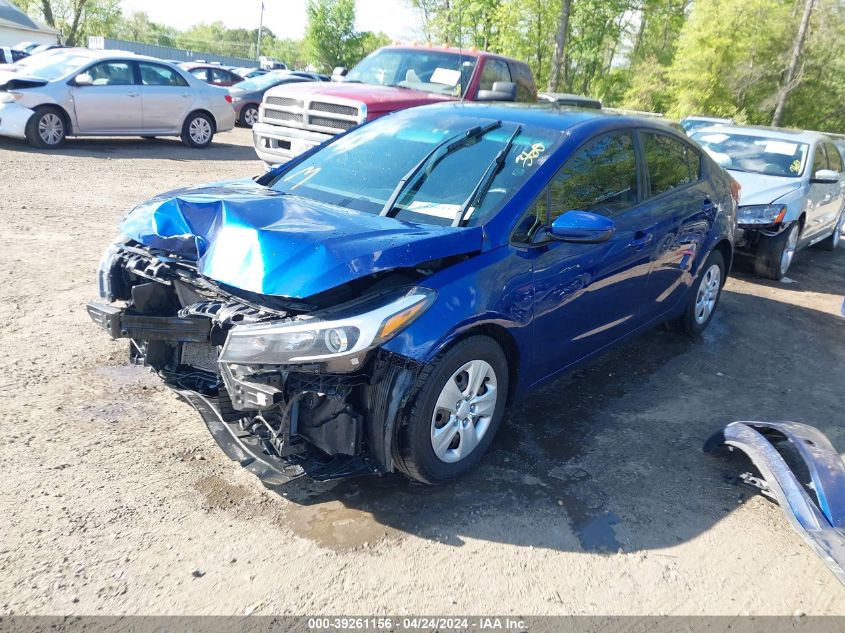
(476,198)
(437,154)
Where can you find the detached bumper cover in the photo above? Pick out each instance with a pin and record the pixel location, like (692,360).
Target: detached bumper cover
(13,120)
(821,522)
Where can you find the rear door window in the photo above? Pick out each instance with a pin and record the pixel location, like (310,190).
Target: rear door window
(158,75)
(200,73)
(601,177)
(221,77)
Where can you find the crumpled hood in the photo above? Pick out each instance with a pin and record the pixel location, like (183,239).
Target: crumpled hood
(763,189)
(248,236)
(378,98)
(12,81)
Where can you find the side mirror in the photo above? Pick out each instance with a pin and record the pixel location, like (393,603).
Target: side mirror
(826,176)
(83,79)
(339,73)
(502,91)
(582,226)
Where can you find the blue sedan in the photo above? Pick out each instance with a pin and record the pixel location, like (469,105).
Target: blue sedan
(376,304)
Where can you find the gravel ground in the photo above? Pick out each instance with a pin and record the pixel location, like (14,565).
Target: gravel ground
(596,497)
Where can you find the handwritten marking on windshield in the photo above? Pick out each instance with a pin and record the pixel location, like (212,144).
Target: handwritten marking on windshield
(306,174)
(795,167)
(526,158)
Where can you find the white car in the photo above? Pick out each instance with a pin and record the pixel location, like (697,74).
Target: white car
(80,92)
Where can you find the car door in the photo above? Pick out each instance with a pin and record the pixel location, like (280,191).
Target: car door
(821,200)
(166,97)
(681,210)
(588,295)
(834,163)
(112,104)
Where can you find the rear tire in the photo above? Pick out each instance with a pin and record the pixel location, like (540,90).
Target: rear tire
(249,115)
(198,130)
(775,254)
(832,241)
(47,128)
(703,297)
(458,407)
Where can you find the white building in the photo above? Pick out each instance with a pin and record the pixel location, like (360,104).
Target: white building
(16,26)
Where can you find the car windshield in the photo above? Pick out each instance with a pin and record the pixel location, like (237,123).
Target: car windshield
(262,82)
(442,72)
(362,169)
(54,66)
(755,154)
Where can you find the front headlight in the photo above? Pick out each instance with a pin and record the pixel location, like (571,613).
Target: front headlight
(9,97)
(104,271)
(762,214)
(329,337)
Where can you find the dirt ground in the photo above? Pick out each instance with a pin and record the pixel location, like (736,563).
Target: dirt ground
(596,496)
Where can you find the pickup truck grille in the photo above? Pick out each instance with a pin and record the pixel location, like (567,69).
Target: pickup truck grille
(318,116)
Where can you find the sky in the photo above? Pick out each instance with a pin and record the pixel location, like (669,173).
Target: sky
(286,18)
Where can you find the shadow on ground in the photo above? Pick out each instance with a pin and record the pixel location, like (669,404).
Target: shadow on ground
(137,148)
(610,457)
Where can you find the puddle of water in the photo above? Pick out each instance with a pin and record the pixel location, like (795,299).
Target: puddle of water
(592,525)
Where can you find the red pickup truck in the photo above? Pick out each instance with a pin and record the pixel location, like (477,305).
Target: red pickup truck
(294,118)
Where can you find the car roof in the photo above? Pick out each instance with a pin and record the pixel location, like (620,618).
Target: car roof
(781,134)
(548,115)
(696,117)
(468,52)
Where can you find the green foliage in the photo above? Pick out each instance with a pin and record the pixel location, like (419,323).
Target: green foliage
(330,36)
(75,19)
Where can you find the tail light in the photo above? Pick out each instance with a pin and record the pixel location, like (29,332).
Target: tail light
(228,98)
(736,190)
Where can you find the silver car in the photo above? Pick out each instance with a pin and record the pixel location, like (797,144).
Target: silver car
(81,92)
(792,193)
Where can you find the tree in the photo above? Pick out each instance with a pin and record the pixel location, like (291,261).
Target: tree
(330,36)
(561,41)
(789,80)
(75,19)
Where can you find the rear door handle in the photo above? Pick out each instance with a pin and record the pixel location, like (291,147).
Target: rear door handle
(133,94)
(185,95)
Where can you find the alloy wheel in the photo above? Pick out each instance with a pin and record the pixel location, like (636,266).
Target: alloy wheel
(51,128)
(708,293)
(250,116)
(463,411)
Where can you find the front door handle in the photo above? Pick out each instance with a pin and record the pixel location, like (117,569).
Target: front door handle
(642,239)
(133,94)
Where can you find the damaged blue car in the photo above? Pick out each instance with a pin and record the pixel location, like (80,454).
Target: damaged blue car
(377,303)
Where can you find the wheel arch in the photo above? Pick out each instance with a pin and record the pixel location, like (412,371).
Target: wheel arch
(503,339)
(206,112)
(726,249)
(65,115)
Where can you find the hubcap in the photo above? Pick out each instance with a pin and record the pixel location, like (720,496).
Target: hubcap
(464,411)
(51,128)
(250,116)
(789,249)
(708,293)
(200,131)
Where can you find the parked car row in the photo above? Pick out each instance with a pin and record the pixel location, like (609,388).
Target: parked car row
(64,92)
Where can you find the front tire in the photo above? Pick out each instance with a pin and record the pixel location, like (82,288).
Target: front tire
(704,297)
(775,254)
(198,130)
(459,404)
(47,128)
